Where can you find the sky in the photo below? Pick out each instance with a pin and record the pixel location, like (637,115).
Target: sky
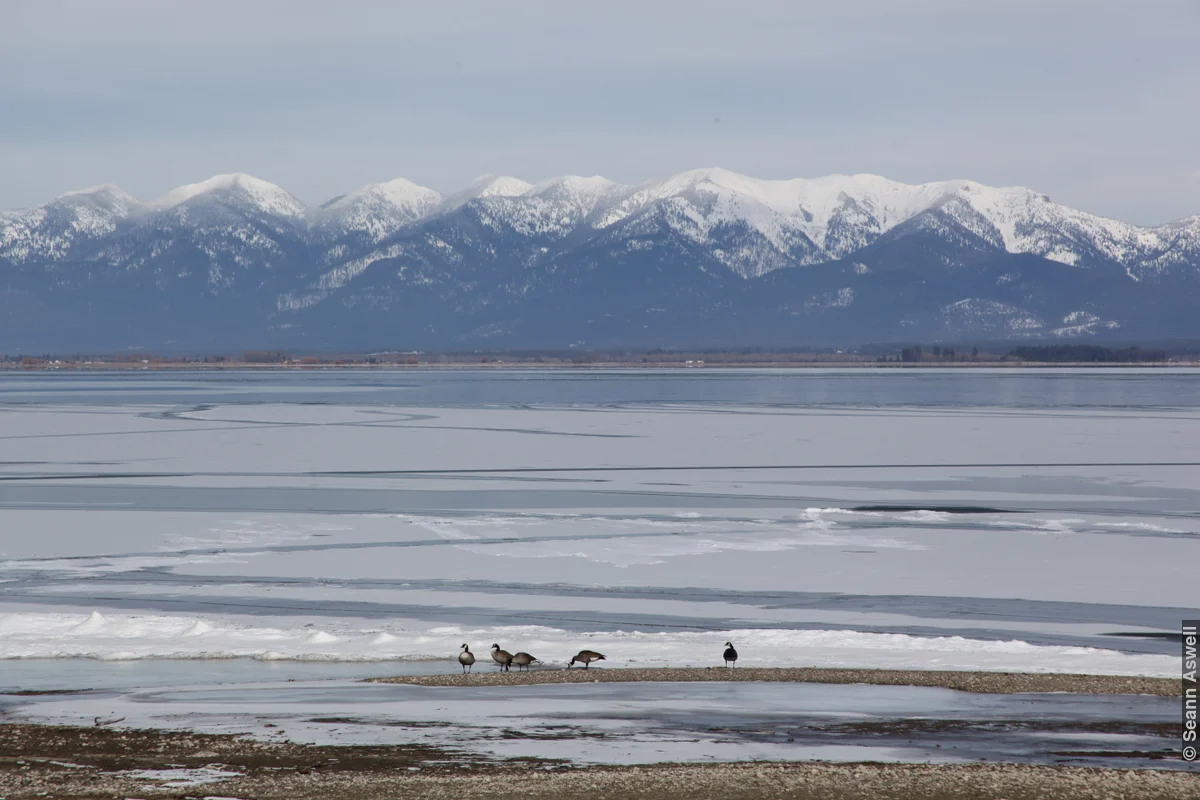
(1093,102)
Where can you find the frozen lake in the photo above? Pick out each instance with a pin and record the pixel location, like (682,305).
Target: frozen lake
(969,519)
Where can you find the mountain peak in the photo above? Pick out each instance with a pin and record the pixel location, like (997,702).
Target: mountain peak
(498,186)
(105,199)
(487,186)
(378,209)
(574,183)
(399,192)
(265,196)
(103,191)
(579,196)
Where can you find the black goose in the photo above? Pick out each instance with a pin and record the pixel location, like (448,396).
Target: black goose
(586,657)
(730,654)
(501,657)
(466,658)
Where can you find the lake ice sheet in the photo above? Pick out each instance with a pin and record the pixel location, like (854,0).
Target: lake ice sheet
(325,518)
(252,526)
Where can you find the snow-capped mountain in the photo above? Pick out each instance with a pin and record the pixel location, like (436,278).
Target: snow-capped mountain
(703,257)
(50,232)
(376,211)
(237,192)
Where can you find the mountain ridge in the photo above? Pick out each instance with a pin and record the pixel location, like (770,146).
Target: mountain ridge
(584,259)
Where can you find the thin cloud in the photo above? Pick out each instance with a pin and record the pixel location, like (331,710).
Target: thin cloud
(323,97)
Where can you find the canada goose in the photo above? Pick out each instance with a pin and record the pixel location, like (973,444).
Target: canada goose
(730,654)
(524,660)
(586,657)
(501,657)
(466,658)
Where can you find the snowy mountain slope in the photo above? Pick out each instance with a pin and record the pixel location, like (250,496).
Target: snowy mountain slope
(235,191)
(837,214)
(375,211)
(706,252)
(1174,246)
(51,232)
(842,213)
(232,234)
(866,204)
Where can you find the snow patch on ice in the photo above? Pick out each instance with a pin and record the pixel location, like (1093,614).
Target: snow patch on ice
(95,622)
(198,628)
(131,637)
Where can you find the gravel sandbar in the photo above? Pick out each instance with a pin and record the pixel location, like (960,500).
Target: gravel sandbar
(982,682)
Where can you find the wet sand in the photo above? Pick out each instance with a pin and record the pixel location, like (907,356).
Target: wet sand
(76,762)
(981,682)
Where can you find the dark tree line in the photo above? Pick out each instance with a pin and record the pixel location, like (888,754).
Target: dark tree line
(936,353)
(1087,353)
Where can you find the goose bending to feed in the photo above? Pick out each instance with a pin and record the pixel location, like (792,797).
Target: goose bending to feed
(586,657)
(501,657)
(730,655)
(466,658)
(524,660)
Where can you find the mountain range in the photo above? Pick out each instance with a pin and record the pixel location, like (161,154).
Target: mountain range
(704,258)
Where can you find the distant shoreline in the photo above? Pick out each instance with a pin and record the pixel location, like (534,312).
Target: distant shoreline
(501,365)
(959,680)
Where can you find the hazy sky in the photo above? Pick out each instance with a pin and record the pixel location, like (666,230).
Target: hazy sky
(1094,102)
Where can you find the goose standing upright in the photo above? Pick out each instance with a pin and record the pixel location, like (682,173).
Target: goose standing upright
(730,654)
(501,657)
(586,657)
(524,660)
(466,658)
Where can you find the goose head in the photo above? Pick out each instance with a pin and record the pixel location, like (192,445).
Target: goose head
(729,644)
(466,649)
(495,647)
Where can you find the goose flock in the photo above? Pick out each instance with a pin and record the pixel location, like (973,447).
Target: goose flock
(522,660)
